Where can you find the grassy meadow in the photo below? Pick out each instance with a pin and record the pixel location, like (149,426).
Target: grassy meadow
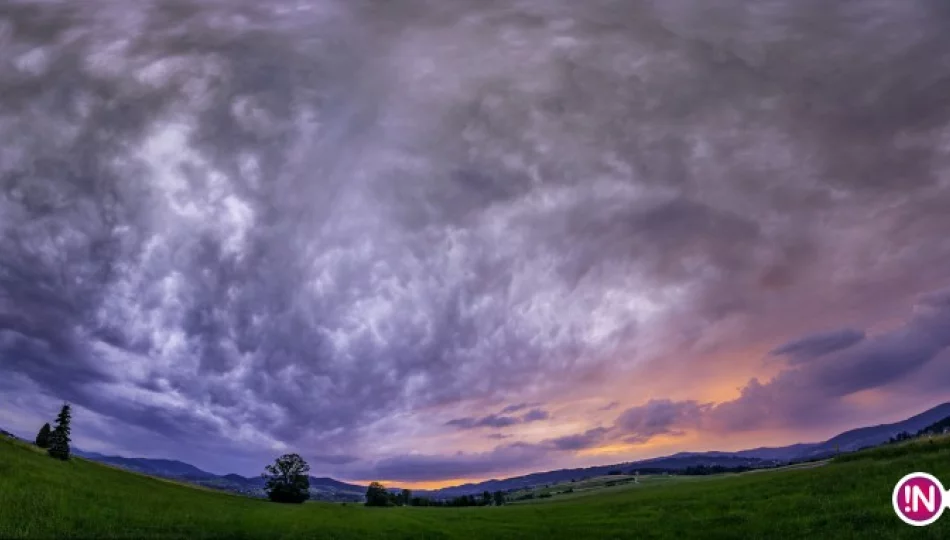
(847,498)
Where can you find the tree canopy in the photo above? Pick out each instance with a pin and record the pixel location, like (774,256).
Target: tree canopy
(376,495)
(288,479)
(43,437)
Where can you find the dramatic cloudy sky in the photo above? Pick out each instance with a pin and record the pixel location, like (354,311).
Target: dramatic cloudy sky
(423,241)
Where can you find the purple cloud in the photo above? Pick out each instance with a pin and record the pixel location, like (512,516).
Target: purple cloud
(498,420)
(813,346)
(517,407)
(535,415)
(327,245)
(806,392)
(660,417)
(423,467)
(490,421)
(589,439)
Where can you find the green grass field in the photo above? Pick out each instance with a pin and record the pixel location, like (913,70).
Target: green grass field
(850,498)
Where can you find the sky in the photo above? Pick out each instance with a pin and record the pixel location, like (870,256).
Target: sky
(428,241)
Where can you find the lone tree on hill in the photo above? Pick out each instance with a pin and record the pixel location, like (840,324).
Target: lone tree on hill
(376,495)
(59,439)
(499,497)
(288,479)
(42,438)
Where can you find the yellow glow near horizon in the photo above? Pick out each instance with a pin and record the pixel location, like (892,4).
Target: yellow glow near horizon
(434,484)
(606,450)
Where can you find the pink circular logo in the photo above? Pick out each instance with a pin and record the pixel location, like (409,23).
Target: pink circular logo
(919,499)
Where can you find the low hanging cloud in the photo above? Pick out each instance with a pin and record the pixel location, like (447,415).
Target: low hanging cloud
(811,347)
(518,407)
(499,420)
(332,459)
(805,393)
(490,421)
(659,417)
(589,439)
(637,425)
(535,415)
(427,467)
(610,406)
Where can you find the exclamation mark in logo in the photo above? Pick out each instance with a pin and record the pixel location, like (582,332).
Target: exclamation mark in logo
(919,499)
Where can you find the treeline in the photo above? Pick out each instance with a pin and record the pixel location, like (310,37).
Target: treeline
(900,437)
(938,428)
(378,495)
(545,495)
(692,470)
(651,470)
(703,470)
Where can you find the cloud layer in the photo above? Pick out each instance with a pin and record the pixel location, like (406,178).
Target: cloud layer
(500,420)
(319,225)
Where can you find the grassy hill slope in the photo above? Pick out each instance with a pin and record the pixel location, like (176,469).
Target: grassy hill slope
(44,498)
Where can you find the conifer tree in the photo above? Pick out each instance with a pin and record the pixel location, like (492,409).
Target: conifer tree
(43,437)
(59,439)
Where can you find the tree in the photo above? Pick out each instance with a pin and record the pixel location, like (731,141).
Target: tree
(59,439)
(499,497)
(376,495)
(43,437)
(406,497)
(288,480)
(486,498)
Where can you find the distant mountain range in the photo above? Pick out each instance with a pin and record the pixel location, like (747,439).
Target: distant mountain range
(328,489)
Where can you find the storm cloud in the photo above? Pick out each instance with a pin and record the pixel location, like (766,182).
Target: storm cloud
(588,439)
(422,467)
(659,417)
(321,225)
(816,345)
(500,420)
(517,407)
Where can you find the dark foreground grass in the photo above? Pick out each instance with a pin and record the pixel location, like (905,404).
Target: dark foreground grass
(43,498)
